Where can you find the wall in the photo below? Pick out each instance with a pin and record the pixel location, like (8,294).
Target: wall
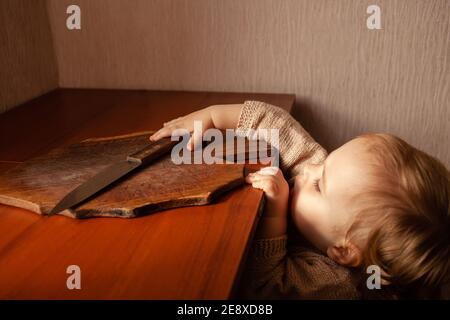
(347,79)
(27,59)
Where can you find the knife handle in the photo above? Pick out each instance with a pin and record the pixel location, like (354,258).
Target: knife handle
(152,152)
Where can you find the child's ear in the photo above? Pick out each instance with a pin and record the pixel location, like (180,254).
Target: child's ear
(346,255)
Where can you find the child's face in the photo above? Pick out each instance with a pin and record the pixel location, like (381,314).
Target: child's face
(321,204)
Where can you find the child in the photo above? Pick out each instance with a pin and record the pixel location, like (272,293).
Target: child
(374,201)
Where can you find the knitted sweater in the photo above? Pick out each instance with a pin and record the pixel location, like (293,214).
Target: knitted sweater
(276,268)
(296,147)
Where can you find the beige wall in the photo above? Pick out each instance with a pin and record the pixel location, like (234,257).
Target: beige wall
(347,79)
(27,59)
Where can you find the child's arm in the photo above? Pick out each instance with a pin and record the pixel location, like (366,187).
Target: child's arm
(273,223)
(272,270)
(275,271)
(225,116)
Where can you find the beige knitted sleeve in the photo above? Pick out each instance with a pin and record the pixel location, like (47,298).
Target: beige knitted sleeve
(296,146)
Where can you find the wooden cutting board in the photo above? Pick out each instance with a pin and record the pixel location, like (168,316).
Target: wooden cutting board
(38,184)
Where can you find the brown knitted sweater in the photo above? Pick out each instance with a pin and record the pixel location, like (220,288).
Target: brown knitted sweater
(275,268)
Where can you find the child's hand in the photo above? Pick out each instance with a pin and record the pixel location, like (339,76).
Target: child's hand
(224,116)
(187,123)
(275,187)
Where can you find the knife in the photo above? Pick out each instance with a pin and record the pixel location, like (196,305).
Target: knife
(113,172)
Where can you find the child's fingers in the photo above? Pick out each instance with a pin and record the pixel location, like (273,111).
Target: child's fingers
(161,133)
(258,178)
(267,185)
(259,185)
(270,171)
(172,121)
(179,132)
(250,178)
(167,132)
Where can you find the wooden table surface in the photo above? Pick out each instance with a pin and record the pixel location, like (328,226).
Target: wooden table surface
(185,253)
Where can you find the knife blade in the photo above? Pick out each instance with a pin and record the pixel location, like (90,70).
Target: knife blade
(113,173)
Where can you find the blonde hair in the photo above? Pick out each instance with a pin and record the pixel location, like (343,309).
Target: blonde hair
(403,221)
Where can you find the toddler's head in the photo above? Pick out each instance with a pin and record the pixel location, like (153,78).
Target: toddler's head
(378,201)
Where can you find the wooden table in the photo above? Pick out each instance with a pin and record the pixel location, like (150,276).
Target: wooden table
(185,253)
